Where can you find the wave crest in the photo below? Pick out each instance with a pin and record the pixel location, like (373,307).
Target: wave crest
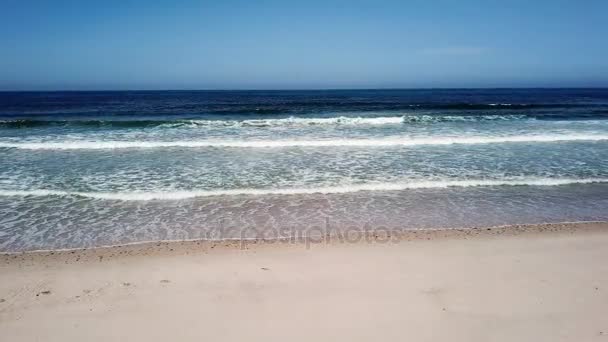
(346,120)
(275,122)
(290,121)
(178,195)
(378,142)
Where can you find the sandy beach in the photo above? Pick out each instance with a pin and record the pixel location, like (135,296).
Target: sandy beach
(310,171)
(527,283)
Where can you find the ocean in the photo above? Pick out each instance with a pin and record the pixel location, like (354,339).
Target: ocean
(85,169)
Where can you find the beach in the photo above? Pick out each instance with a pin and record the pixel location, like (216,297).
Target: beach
(304,215)
(519,283)
(303,171)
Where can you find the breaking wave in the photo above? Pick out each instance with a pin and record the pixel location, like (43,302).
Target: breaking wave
(178,195)
(276,122)
(374,142)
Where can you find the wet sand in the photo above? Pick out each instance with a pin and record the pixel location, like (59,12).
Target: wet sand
(520,283)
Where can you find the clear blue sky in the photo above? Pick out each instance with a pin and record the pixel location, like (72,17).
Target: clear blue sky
(305,44)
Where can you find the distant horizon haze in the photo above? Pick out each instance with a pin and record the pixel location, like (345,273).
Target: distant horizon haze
(101,90)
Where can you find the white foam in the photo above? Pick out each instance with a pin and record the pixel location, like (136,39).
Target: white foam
(339,120)
(425,118)
(294,121)
(177,195)
(373,142)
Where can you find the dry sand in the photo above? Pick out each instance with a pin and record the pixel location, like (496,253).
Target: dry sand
(538,283)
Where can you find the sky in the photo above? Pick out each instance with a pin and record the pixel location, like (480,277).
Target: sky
(314,44)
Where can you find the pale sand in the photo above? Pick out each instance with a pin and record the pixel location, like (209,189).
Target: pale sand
(542,283)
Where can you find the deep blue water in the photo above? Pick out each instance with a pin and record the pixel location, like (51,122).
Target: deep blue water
(98,168)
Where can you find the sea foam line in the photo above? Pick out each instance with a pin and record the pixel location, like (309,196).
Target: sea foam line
(341,120)
(292,121)
(377,142)
(178,195)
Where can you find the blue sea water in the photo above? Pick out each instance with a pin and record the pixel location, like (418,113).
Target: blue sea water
(83,169)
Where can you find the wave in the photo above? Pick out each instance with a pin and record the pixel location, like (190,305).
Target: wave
(178,195)
(462,118)
(289,121)
(346,120)
(378,142)
(343,120)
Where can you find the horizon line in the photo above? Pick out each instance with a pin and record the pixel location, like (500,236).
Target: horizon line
(292,89)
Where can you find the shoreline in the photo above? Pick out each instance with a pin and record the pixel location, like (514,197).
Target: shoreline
(362,237)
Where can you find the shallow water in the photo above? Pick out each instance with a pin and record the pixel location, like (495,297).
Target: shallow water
(99,168)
